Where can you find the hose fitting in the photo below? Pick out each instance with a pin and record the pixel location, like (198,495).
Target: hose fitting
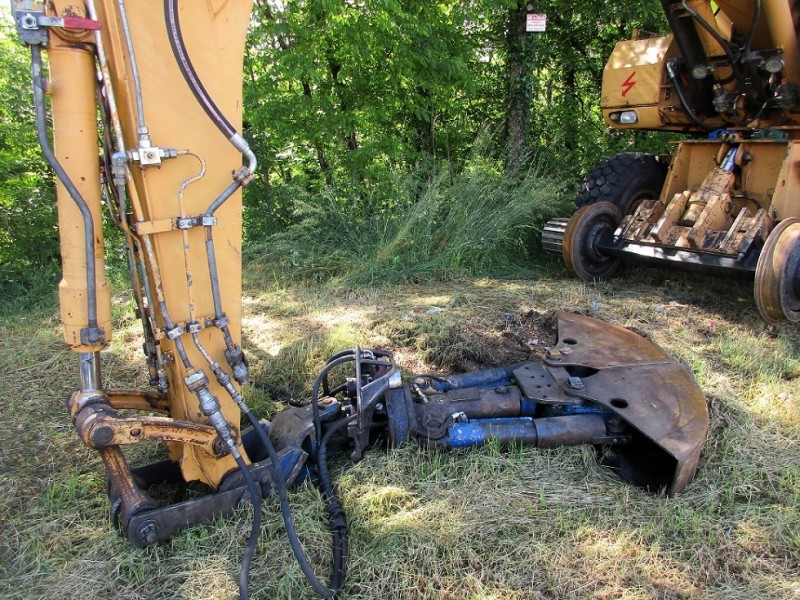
(238,362)
(197,383)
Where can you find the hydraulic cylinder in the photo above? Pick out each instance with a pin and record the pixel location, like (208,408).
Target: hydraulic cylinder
(72,88)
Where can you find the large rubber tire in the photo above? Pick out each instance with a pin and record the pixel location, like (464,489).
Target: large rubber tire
(624,180)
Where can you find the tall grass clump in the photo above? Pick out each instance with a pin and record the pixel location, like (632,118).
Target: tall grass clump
(450,223)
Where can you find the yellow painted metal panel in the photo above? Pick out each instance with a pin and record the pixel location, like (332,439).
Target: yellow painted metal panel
(72,91)
(214,33)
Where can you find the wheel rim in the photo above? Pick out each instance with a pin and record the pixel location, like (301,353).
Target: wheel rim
(588,228)
(777,281)
(788,255)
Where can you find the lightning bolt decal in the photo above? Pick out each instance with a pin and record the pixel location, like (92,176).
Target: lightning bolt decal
(628,84)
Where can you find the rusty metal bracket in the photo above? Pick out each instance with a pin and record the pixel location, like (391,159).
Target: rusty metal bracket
(100,426)
(158,524)
(651,392)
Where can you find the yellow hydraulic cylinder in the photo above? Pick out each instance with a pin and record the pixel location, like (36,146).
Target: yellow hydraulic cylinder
(72,88)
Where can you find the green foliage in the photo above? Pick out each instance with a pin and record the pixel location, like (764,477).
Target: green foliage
(28,239)
(343,97)
(568,67)
(345,92)
(451,224)
(359,111)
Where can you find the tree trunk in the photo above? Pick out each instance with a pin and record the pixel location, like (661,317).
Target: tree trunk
(518,86)
(321,160)
(424,129)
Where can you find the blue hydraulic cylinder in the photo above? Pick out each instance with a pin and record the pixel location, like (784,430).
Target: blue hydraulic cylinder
(479,431)
(569,430)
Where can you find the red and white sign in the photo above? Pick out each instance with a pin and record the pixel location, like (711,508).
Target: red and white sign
(536,23)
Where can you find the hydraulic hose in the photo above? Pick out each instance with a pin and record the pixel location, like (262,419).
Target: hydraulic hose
(337,575)
(335,511)
(227,129)
(727,47)
(255,530)
(241,178)
(197,87)
(748,43)
(341,358)
(337,359)
(725,44)
(672,72)
(86,214)
(337,522)
(189,73)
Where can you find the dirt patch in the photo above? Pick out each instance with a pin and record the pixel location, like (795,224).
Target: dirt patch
(497,340)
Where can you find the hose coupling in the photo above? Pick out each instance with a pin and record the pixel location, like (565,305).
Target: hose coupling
(238,362)
(197,383)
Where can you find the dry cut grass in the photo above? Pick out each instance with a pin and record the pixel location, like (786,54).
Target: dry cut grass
(485,524)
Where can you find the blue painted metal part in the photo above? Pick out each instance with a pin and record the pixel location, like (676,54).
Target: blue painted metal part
(488,378)
(528,407)
(398,417)
(479,431)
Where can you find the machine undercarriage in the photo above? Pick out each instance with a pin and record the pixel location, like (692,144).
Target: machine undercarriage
(726,202)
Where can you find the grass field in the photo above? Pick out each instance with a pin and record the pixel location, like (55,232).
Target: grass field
(484,524)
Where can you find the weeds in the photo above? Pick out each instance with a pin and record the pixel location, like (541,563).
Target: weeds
(453,225)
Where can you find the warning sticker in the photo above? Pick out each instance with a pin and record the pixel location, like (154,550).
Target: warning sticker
(536,23)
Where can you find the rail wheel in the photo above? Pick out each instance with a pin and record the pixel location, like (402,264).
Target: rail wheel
(777,282)
(624,180)
(588,228)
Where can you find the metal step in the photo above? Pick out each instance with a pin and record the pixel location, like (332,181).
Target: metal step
(553,235)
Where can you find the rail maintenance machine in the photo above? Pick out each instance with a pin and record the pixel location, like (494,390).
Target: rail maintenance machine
(146,104)
(725,202)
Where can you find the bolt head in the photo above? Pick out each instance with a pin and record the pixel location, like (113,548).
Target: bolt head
(148,532)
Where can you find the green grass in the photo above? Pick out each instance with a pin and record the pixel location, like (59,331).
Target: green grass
(485,524)
(473,221)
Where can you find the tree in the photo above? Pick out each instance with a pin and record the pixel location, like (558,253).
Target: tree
(518,48)
(28,220)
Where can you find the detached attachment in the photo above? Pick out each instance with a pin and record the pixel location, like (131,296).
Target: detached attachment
(601,385)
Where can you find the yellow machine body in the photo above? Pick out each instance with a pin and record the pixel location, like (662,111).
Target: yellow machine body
(158,194)
(729,73)
(634,79)
(635,76)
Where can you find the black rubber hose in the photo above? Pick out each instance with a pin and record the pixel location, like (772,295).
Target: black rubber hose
(725,44)
(335,511)
(255,530)
(673,77)
(321,380)
(727,47)
(340,358)
(748,43)
(291,533)
(188,72)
